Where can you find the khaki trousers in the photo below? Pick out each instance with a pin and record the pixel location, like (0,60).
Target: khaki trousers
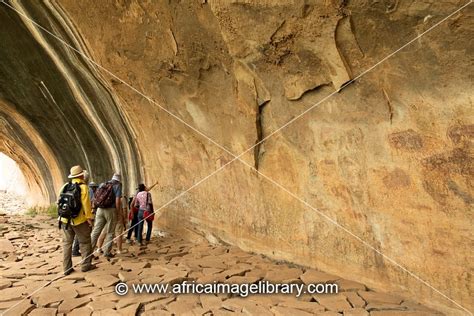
(83,233)
(105,217)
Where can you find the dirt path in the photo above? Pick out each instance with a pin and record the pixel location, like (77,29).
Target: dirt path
(30,252)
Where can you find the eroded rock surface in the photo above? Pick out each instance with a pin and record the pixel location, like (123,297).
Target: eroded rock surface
(389,157)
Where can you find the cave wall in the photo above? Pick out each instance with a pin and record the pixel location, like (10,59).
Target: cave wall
(65,107)
(389,157)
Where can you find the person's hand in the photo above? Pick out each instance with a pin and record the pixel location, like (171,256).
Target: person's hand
(90,222)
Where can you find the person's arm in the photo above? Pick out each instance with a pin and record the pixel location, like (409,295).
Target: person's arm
(86,203)
(150,202)
(124,212)
(118,197)
(150,188)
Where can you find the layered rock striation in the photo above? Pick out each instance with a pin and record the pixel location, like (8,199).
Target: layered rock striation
(388,157)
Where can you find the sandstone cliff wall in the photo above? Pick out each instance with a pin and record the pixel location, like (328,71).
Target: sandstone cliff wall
(389,157)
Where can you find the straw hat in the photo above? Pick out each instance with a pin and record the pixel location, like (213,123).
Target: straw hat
(76,172)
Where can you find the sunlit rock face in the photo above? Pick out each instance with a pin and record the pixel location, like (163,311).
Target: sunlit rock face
(389,157)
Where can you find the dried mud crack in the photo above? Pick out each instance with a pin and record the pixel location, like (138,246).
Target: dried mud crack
(31,256)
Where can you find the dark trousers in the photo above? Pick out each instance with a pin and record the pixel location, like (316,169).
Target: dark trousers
(133,227)
(149,227)
(141,222)
(75,247)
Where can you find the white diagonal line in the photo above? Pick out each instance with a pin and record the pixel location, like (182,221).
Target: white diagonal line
(365,243)
(265,138)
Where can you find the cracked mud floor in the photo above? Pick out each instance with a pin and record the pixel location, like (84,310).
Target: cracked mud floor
(31,255)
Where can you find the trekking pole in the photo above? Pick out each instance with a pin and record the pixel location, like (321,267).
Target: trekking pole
(154,184)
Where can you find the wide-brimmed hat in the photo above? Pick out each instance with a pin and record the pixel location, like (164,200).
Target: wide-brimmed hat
(117,177)
(76,172)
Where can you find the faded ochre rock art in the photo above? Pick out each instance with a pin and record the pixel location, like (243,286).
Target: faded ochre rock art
(389,156)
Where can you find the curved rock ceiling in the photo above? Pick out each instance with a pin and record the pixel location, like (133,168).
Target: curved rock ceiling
(66,104)
(389,157)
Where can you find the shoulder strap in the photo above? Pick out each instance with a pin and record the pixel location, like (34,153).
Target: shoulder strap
(65,186)
(78,185)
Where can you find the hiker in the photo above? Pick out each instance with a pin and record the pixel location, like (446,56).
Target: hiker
(107,200)
(121,224)
(145,212)
(92,187)
(133,218)
(75,219)
(149,219)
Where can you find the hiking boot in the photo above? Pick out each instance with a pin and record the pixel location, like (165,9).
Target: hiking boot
(76,254)
(98,252)
(109,255)
(128,241)
(88,268)
(69,271)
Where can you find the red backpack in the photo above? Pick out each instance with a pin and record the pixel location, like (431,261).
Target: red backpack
(104,196)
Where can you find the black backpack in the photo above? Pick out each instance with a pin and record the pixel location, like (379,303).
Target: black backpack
(69,203)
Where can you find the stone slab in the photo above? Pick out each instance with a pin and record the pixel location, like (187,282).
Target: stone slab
(375,297)
(314,276)
(43,312)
